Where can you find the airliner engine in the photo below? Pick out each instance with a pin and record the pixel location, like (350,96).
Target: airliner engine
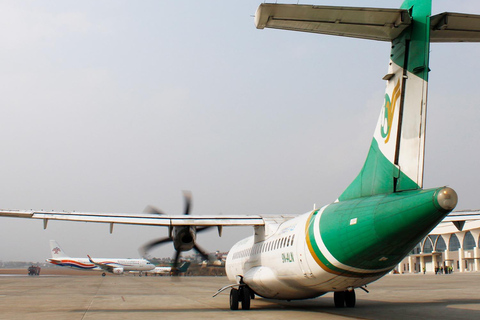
(117,271)
(183,237)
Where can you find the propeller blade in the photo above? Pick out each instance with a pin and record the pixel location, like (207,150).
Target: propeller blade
(187,195)
(153,210)
(148,246)
(175,263)
(201,251)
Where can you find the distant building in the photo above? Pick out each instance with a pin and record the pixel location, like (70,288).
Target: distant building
(454,244)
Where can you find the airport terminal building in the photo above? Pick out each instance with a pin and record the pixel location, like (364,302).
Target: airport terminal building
(452,245)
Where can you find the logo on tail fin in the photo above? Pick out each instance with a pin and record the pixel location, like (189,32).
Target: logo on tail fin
(56,250)
(388,112)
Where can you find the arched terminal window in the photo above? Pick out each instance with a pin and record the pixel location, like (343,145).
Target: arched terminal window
(453,244)
(440,246)
(428,245)
(468,241)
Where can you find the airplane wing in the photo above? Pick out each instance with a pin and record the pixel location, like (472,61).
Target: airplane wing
(147,219)
(103,266)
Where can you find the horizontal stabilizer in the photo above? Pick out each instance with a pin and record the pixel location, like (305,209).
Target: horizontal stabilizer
(455,27)
(365,23)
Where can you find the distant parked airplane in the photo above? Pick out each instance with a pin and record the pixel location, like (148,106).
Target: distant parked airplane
(166,270)
(115,266)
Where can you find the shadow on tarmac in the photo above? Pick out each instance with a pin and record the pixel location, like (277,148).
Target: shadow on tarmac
(365,309)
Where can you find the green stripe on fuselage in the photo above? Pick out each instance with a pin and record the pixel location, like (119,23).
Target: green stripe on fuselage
(322,261)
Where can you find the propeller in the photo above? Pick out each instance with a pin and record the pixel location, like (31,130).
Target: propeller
(153,210)
(183,237)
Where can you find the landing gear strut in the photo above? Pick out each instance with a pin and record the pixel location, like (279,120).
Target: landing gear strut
(241,295)
(344,298)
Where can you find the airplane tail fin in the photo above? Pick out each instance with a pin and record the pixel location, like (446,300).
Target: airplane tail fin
(56,250)
(184,266)
(395,159)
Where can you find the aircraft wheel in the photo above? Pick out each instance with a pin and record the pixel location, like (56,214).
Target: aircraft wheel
(233,299)
(103,274)
(350,299)
(245,295)
(339,299)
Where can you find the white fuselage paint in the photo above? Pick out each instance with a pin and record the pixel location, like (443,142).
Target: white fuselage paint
(412,138)
(85,264)
(275,268)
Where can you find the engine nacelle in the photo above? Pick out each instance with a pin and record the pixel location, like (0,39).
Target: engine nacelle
(184,238)
(117,271)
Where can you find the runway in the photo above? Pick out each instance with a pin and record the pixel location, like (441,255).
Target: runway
(454,296)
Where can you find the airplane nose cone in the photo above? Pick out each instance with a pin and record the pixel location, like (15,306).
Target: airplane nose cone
(447,198)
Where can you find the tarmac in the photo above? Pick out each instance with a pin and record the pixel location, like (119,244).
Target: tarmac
(91,296)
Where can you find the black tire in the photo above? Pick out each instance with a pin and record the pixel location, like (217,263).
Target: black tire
(233,299)
(245,298)
(350,299)
(339,299)
(103,274)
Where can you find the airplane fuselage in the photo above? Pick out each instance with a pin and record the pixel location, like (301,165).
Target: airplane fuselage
(317,252)
(85,264)
(282,268)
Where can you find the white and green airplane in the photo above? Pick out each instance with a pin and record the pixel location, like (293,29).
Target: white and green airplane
(380,216)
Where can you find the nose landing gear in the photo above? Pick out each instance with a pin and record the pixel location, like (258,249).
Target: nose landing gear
(241,295)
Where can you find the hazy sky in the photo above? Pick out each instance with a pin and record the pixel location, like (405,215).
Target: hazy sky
(108,106)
